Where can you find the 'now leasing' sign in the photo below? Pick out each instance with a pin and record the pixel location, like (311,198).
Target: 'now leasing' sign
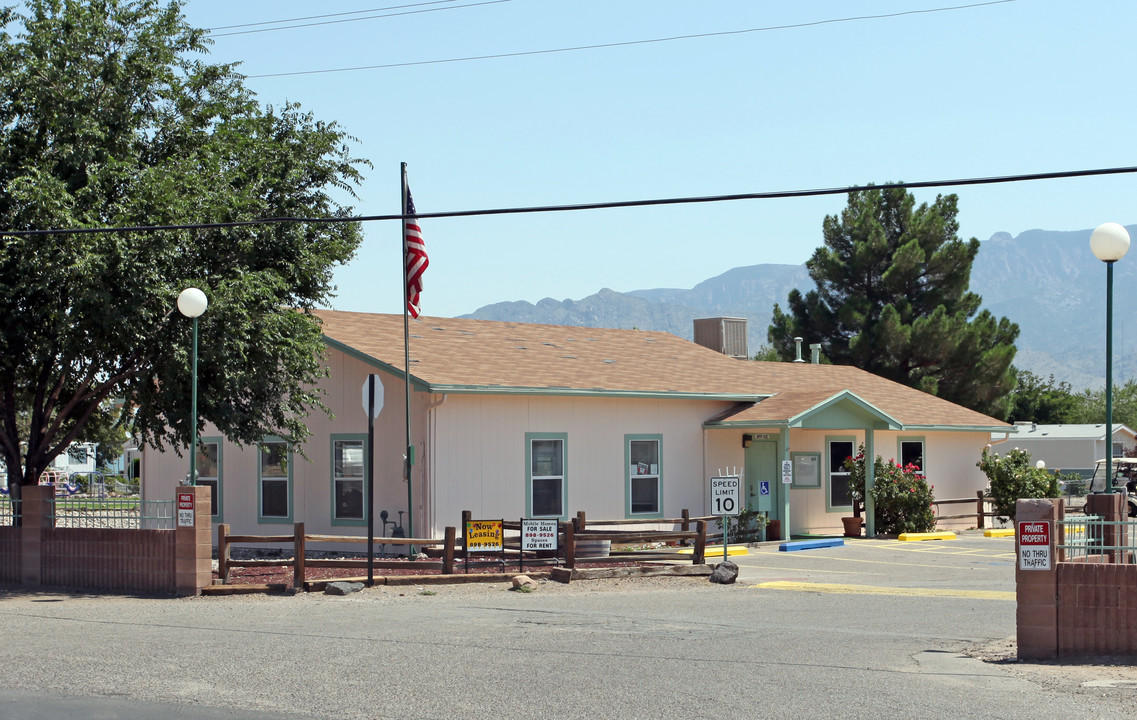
(1034,545)
(484,536)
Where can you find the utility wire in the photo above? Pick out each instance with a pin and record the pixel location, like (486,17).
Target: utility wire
(628,43)
(372,17)
(321,17)
(994,180)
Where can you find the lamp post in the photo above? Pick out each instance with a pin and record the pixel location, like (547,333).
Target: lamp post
(1109,244)
(192,303)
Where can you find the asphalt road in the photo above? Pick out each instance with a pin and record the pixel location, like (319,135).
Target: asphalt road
(872,629)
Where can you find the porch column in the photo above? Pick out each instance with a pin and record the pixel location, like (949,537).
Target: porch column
(787,532)
(870,480)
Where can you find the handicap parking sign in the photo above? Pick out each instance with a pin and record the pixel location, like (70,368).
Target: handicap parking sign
(764,487)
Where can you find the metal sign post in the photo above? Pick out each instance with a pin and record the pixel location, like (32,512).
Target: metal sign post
(726,496)
(372,404)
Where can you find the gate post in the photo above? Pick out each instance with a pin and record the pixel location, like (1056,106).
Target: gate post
(193,545)
(35,512)
(1036,618)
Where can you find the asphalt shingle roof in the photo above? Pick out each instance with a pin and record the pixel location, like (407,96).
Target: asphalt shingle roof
(451,354)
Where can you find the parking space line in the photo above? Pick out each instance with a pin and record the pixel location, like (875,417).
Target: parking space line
(775,568)
(833,588)
(811,556)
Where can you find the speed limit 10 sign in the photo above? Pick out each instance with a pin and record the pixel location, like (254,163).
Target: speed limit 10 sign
(726,496)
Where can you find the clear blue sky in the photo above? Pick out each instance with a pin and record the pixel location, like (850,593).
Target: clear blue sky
(1017,87)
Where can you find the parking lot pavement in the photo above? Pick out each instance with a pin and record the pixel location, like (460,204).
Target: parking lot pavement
(970,563)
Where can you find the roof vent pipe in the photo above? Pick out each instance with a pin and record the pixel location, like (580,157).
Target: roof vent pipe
(815,353)
(797,342)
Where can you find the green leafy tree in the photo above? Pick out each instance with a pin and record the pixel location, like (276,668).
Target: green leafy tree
(1090,407)
(1013,476)
(766,354)
(892,298)
(110,116)
(1043,401)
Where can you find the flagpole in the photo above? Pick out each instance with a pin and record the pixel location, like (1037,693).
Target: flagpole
(407,352)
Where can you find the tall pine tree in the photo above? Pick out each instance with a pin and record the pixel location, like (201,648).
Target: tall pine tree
(892,298)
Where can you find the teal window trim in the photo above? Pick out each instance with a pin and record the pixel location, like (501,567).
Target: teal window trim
(220,479)
(803,484)
(338,438)
(841,477)
(529,438)
(923,451)
(274,519)
(628,439)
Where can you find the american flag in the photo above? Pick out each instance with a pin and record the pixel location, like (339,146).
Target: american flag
(415,257)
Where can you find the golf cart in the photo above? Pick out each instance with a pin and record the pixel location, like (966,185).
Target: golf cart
(1124,476)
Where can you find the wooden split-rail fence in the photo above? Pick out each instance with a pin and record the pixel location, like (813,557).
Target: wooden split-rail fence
(577,542)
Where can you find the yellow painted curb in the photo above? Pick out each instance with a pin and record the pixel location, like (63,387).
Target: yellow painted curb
(716,551)
(839,589)
(927,536)
(999,532)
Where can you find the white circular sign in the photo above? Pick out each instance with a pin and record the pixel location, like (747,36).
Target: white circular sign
(378,395)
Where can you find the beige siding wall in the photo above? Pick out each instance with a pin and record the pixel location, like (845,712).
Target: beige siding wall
(311,476)
(479,463)
(951,458)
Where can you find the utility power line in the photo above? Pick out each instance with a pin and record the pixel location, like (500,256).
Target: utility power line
(329,15)
(370,17)
(627,43)
(781,194)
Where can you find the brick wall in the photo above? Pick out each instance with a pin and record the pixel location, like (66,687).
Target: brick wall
(109,560)
(164,562)
(9,555)
(1096,606)
(1085,606)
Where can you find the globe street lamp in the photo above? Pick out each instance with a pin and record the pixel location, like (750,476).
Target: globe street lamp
(192,303)
(1109,244)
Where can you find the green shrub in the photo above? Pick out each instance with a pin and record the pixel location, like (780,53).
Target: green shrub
(745,527)
(1013,477)
(901,496)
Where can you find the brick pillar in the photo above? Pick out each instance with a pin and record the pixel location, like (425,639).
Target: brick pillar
(1037,590)
(193,545)
(1111,508)
(35,507)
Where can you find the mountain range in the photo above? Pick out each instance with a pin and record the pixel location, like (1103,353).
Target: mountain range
(1046,281)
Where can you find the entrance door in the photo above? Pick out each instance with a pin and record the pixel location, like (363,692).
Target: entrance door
(763,486)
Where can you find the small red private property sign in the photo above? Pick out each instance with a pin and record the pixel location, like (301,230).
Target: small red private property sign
(185,509)
(1034,545)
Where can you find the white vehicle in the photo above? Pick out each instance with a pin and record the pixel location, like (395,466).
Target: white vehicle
(1124,476)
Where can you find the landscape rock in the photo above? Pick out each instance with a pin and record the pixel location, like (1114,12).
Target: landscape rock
(343,588)
(725,573)
(520,581)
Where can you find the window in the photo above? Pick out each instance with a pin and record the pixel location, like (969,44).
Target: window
(348,499)
(275,490)
(912,453)
(644,489)
(545,457)
(838,450)
(209,472)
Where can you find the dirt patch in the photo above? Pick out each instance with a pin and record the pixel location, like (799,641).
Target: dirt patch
(1092,676)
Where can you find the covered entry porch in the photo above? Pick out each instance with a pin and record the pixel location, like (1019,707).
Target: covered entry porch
(793,450)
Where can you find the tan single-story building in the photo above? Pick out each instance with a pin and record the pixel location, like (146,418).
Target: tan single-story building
(512,420)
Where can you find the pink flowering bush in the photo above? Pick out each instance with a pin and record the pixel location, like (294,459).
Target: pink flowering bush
(902,495)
